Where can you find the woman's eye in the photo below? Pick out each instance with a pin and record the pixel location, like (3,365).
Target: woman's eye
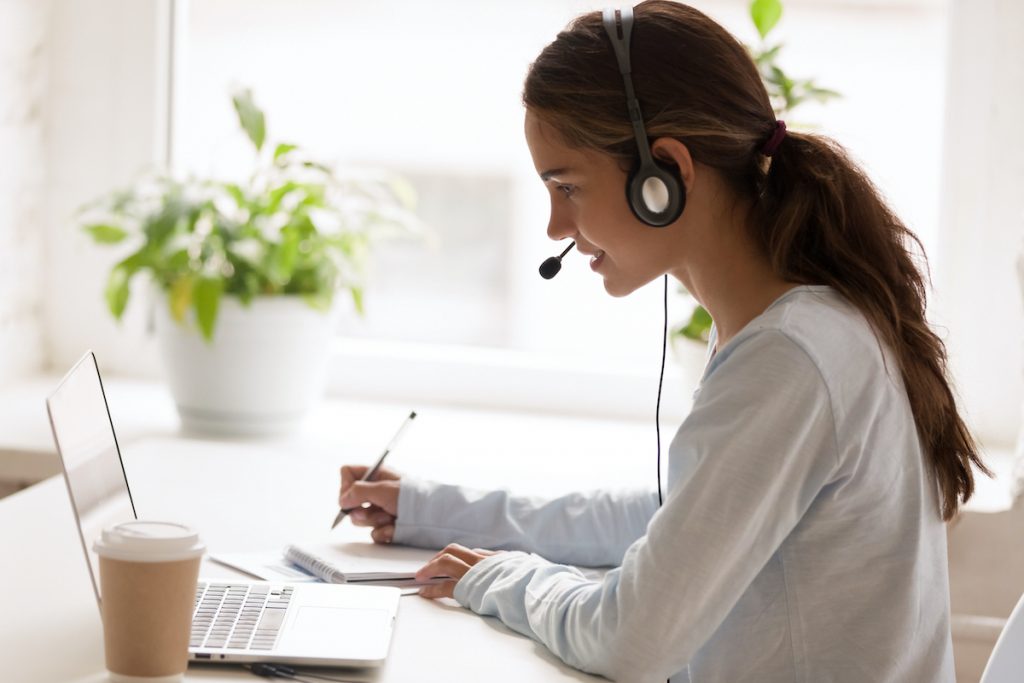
(567,190)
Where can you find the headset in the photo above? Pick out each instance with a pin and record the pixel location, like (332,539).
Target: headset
(654,189)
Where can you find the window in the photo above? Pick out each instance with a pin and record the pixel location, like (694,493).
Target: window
(432,90)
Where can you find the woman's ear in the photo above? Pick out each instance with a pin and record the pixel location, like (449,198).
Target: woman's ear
(673,152)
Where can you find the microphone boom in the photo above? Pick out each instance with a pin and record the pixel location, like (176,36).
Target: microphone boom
(553,264)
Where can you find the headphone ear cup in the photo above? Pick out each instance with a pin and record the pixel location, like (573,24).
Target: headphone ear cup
(655,193)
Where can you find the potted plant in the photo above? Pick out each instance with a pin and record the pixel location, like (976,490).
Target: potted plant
(246,274)
(786,94)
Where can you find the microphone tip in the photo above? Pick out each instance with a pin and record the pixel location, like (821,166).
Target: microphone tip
(550,267)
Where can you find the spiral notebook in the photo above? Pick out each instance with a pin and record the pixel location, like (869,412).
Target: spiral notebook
(351,564)
(329,573)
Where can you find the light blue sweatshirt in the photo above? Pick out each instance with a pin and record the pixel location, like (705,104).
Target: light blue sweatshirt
(800,538)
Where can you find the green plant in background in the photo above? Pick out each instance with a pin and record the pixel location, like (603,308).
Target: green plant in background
(295,227)
(786,94)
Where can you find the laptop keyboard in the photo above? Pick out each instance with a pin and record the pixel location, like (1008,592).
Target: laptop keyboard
(238,616)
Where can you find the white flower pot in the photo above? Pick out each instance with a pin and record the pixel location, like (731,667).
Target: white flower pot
(264,369)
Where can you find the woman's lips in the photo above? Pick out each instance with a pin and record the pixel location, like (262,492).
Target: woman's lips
(596,260)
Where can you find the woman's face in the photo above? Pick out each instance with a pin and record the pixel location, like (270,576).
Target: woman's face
(588,204)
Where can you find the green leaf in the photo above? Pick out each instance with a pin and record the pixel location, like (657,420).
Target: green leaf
(177,262)
(106,234)
(250,116)
(159,227)
(237,192)
(303,226)
(249,287)
(180,297)
(120,200)
(143,258)
(779,77)
(767,55)
(357,299)
(283,149)
(282,262)
(765,13)
(206,296)
(699,326)
(117,290)
(821,94)
(318,166)
(275,196)
(316,195)
(320,300)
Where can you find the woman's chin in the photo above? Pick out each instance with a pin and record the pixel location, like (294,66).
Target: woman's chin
(617,288)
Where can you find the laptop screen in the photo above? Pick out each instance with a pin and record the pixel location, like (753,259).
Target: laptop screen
(84,435)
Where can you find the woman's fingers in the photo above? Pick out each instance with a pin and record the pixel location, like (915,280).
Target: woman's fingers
(470,557)
(350,474)
(383,494)
(382,491)
(445,589)
(383,534)
(443,564)
(453,562)
(371,516)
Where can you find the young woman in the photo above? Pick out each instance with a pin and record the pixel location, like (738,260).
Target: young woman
(801,536)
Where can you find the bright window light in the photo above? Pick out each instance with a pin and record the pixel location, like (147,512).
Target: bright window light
(432,91)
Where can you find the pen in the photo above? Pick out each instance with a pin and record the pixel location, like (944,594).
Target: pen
(372,472)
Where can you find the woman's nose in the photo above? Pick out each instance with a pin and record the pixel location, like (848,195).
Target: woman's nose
(559,227)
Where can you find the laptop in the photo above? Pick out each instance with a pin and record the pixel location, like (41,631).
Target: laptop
(242,621)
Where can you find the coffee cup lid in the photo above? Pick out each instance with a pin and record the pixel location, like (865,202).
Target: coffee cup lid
(146,541)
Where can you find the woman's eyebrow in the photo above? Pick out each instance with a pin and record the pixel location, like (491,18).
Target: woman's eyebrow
(547,175)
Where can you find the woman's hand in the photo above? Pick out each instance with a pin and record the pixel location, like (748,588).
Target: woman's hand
(376,501)
(453,562)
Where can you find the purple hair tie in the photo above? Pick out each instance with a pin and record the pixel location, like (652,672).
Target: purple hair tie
(775,140)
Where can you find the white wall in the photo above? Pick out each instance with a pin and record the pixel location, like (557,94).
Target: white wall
(23,78)
(983,213)
(106,123)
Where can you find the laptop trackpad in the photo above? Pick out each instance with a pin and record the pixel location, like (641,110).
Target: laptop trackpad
(341,631)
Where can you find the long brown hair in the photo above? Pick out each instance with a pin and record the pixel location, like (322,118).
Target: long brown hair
(816,216)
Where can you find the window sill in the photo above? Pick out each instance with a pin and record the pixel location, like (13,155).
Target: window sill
(143,408)
(503,379)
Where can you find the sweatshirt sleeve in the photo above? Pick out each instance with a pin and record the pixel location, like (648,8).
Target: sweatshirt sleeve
(761,442)
(591,530)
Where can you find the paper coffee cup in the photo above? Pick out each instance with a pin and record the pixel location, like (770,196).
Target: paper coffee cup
(148,574)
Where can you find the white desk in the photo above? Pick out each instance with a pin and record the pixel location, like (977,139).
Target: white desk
(261,495)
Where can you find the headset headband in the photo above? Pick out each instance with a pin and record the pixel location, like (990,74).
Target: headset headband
(654,189)
(619,25)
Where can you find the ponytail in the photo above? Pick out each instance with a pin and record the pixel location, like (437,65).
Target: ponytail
(820,220)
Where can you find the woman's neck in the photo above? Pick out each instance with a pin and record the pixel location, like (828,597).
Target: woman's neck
(730,277)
